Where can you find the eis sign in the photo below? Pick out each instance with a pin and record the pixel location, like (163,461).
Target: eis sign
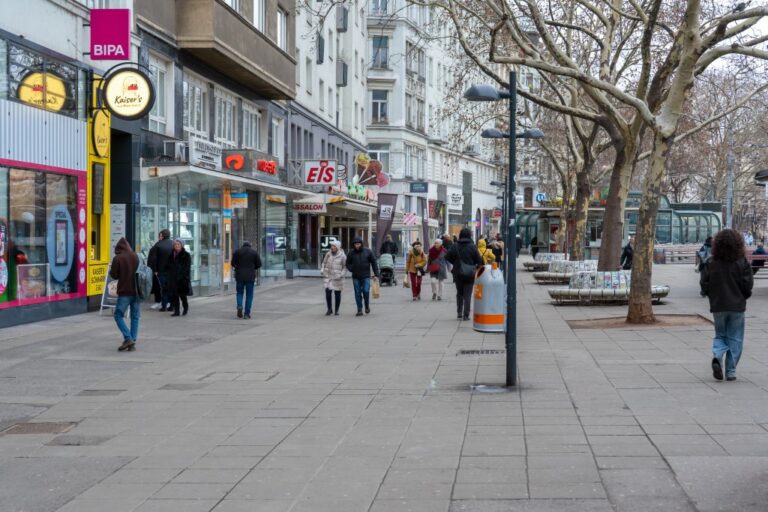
(319,172)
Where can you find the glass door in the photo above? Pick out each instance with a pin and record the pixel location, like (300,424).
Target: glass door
(210,245)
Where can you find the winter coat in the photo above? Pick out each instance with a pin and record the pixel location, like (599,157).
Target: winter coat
(416,262)
(124,267)
(389,247)
(485,252)
(463,251)
(178,272)
(360,263)
(438,255)
(246,262)
(497,246)
(334,270)
(727,284)
(626,257)
(159,254)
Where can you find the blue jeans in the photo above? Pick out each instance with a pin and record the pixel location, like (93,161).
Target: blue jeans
(162,277)
(123,303)
(246,286)
(362,290)
(729,338)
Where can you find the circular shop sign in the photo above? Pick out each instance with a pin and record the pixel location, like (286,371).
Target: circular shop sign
(100,134)
(129,94)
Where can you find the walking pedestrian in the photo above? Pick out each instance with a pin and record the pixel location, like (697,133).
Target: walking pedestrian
(123,269)
(246,262)
(497,246)
(534,246)
(334,268)
(157,260)
(726,279)
(360,263)
(627,254)
(447,241)
(438,268)
(389,247)
(518,244)
(485,252)
(465,259)
(179,277)
(758,264)
(702,255)
(416,265)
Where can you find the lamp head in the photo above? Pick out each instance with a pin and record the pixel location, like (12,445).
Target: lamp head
(482,92)
(493,133)
(533,133)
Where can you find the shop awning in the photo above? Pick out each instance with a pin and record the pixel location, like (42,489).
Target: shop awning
(351,204)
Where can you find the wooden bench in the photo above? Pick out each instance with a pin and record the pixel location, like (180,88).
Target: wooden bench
(680,256)
(585,288)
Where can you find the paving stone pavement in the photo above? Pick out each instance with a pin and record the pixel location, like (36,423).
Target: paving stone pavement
(295,411)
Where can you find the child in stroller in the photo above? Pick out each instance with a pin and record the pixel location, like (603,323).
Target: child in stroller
(387,269)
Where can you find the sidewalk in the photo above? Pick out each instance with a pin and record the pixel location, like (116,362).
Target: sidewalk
(296,411)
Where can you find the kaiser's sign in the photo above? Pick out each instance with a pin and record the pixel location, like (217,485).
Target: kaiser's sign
(128,94)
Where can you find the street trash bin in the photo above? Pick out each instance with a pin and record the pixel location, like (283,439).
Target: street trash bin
(490,300)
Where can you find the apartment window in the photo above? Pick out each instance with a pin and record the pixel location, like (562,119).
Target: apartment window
(298,67)
(158,116)
(251,128)
(380,51)
(357,68)
(277,139)
(308,76)
(195,107)
(355,114)
(282,29)
(415,60)
(378,7)
(259,13)
(362,70)
(380,152)
(225,131)
(379,100)
(362,117)
(234,4)
(409,164)
(321,95)
(330,44)
(330,101)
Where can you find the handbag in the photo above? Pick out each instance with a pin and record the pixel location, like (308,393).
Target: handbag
(434,267)
(375,289)
(466,271)
(406,282)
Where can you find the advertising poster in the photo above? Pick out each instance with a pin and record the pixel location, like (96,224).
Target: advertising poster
(32,281)
(369,172)
(239,200)
(117,225)
(61,242)
(3,260)
(109,296)
(384,218)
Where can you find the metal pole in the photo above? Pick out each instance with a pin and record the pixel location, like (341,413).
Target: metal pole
(511,333)
(729,181)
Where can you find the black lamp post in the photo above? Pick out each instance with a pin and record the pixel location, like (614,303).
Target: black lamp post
(490,93)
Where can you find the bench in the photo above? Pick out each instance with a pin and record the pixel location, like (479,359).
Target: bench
(600,288)
(542,260)
(560,271)
(680,256)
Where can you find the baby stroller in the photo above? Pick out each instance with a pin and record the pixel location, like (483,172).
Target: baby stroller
(387,269)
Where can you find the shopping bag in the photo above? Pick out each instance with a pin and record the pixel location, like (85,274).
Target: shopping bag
(375,289)
(406,282)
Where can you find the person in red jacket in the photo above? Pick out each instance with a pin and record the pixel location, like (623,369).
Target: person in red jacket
(123,269)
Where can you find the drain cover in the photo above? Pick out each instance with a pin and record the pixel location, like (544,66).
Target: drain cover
(481,352)
(100,392)
(184,386)
(482,388)
(39,428)
(77,440)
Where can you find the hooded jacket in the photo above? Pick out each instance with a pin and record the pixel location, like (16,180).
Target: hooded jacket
(416,262)
(334,268)
(486,252)
(360,263)
(124,267)
(463,251)
(246,262)
(728,284)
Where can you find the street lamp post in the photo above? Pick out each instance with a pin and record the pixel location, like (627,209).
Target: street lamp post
(490,93)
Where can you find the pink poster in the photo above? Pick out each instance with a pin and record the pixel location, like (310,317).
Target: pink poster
(81,235)
(110,34)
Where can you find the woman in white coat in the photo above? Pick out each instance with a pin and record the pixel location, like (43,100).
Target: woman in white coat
(334,268)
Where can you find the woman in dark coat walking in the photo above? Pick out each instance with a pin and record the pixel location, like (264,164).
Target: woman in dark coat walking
(179,271)
(465,259)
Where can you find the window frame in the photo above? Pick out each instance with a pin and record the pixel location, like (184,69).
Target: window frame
(191,127)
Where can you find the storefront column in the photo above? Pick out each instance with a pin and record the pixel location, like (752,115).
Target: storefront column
(370,229)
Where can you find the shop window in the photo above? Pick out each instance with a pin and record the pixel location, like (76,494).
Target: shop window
(40,81)
(37,235)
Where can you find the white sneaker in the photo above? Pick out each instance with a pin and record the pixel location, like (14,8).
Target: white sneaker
(156,305)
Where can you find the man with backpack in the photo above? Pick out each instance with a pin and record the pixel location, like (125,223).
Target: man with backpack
(125,264)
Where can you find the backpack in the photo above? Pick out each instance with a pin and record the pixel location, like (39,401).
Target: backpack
(143,280)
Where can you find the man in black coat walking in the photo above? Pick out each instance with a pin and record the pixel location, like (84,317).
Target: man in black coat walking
(465,258)
(157,260)
(360,262)
(246,262)
(627,254)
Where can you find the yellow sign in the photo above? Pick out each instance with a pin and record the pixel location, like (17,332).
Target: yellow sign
(100,133)
(43,90)
(97,274)
(129,94)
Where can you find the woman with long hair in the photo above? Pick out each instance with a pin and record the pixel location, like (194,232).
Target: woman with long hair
(726,279)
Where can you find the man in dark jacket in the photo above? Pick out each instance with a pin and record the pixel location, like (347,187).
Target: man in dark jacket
(389,247)
(464,257)
(123,269)
(246,262)
(360,262)
(157,260)
(627,254)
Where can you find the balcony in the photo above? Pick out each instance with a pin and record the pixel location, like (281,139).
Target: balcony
(217,35)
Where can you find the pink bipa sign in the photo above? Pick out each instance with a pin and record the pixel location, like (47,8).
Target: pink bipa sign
(110,34)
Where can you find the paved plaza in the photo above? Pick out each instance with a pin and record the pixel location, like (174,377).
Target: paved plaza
(296,411)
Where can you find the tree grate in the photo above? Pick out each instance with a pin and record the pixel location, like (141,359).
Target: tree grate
(481,352)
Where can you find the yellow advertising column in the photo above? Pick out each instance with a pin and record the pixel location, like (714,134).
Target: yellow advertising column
(99,252)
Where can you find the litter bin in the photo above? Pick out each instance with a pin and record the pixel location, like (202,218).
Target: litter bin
(490,300)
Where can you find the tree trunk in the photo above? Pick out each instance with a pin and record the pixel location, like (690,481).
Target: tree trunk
(640,302)
(613,218)
(581,208)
